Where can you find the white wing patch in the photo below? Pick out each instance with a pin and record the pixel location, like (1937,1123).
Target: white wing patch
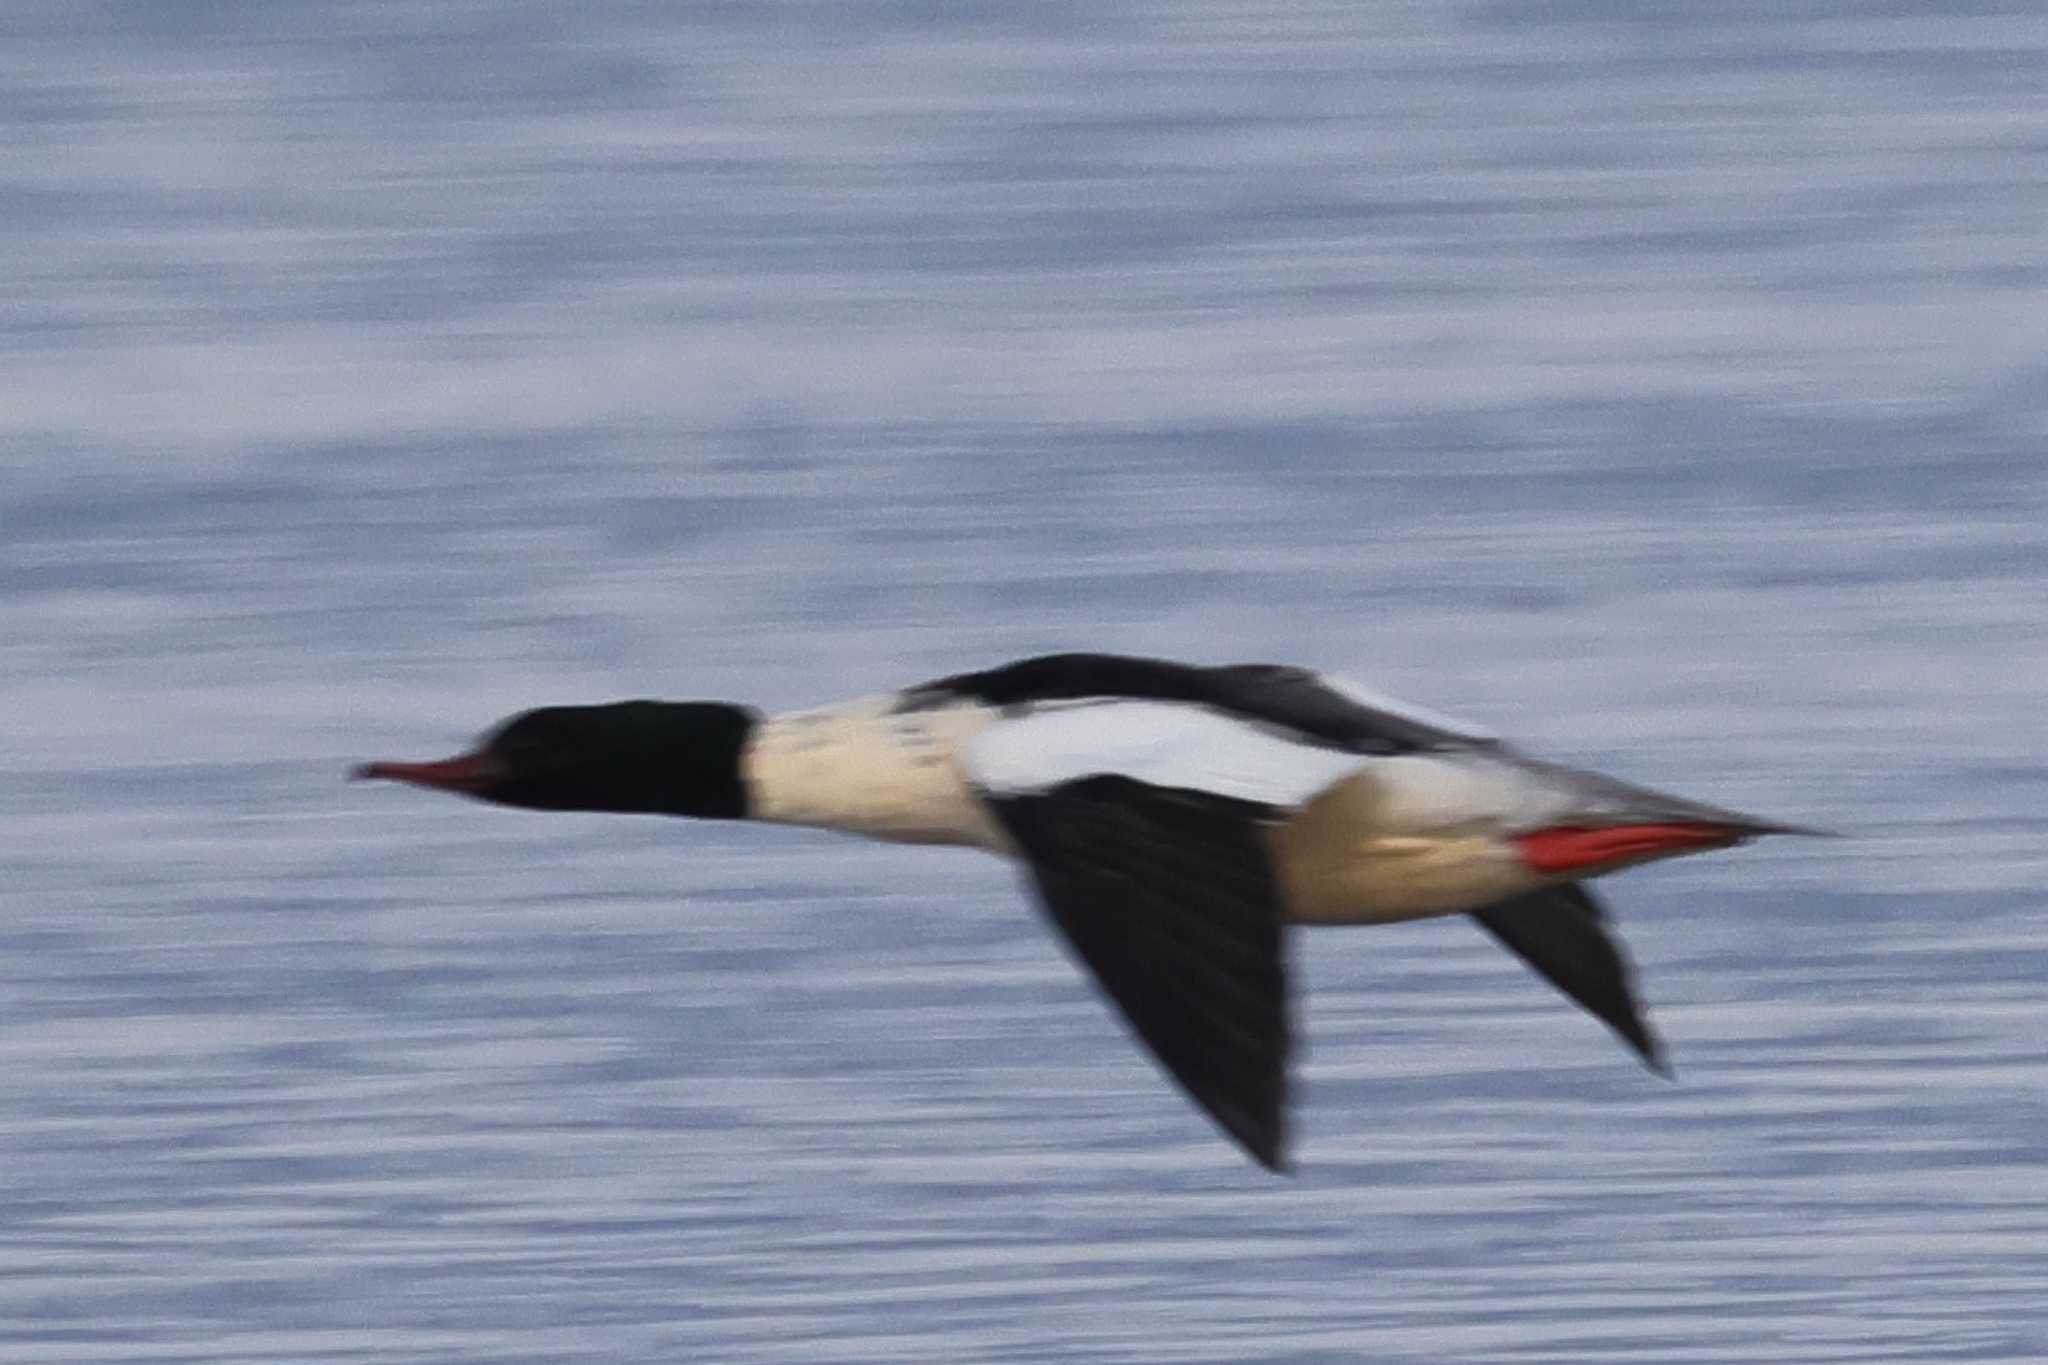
(1380,701)
(1164,743)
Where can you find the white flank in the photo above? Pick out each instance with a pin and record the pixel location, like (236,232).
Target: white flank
(1164,743)
(1433,793)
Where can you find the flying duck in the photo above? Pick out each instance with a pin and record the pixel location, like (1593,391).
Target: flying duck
(1174,820)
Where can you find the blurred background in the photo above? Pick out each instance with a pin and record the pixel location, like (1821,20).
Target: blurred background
(1663,384)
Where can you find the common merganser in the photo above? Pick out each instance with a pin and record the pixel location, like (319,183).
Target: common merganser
(1174,819)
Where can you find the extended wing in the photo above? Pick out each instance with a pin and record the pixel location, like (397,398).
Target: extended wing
(1563,934)
(1144,823)
(1167,896)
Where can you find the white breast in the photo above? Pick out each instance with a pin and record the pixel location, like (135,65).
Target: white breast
(864,768)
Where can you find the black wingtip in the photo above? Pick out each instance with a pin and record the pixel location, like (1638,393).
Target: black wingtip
(1562,933)
(1260,1129)
(1634,1029)
(1270,1151)
(1262,1132)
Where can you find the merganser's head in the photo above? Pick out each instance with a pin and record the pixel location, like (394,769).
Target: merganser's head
(646,757)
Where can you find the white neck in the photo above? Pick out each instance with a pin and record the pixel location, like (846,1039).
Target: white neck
(865,769)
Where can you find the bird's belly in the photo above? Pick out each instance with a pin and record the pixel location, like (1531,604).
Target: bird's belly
(1338,862)
(1380,880)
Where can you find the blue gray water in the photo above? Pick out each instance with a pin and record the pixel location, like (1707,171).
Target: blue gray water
(1662,384)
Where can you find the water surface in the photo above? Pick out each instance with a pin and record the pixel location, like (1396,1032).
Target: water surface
(1662,386)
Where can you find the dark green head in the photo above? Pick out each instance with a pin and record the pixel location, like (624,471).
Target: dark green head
(638,757)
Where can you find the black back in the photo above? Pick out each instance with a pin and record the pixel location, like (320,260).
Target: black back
(1280,695)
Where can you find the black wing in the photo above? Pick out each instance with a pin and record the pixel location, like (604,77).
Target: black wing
(1286,697)
(1169,898)
(1562,932)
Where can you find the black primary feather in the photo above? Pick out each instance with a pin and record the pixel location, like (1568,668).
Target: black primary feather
(1168,896)
(1564,935)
